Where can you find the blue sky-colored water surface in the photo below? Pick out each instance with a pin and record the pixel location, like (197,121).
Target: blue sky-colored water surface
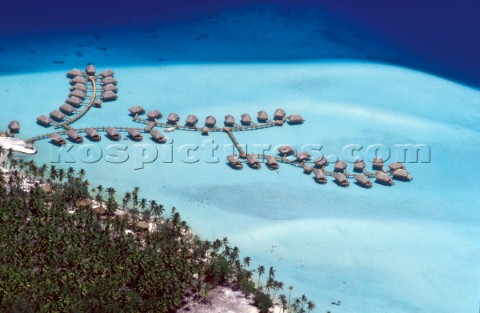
(409,248)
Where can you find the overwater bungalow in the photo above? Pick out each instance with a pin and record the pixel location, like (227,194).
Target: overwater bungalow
(378,163)
(205,130)
(262,116)
(107,72)
(57,115)
(158,136)
(78,80)
(79,86)
(14,126)
(210,121)
(191,120)
(74,101)
(383,178)
(295,119)
(341,179)
(285,150)
(93,134)
(340,165)
(279,114)
(74,72)
(401,174)
(396,166)
(112,133)
(271,162)
(246,119)
(154,114)
(74,136)
(136,109)
(110,87)
(303,156)
(363,180)
(57,139)
(234,162)
(253,161)
(173,118)
(44,120)
(78,93)
(109,80)
(307,169)
(359,165)
(321,162)
(67,108)
(97,102)
(229,120)
(134,134)
(109,96)
(320,176)
(90,70)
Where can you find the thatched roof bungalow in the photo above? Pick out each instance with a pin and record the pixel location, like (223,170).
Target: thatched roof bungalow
(78,93)
(109,96)
(191,120)
(67,108)
(93,134)
(57,139)
(383,178)
(285,150)
(74,101)
(340,165)
(246,119)
(401,174)
(307,169)
(134,134)
(97,102)
(57,115)
(154,114)
(79,86)
(396,166)
(205,130)
(363,180)
(109,80)
(112,133)
(44,120)
(74,136)
(279,114)
(210,121)
(107,72)
(320,176)
(378,163)
(234,162)
(321,162)
(136,109)
(14,126)
(295,119)
(341,179)
(74,72)
(173,118)
(229,120)
(271,162)
(303,156)
(262,116)
(253,161)
(110,87)
(91,70)
(78,80)
(359,165)
(158,136)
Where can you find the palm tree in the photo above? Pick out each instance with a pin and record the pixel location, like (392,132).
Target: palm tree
(261,271)
(246,261)
(310,306)
(290,288)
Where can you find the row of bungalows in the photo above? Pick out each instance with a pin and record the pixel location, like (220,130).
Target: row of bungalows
(112,133)
(78,86)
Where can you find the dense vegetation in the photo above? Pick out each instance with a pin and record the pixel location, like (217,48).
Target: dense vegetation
(58,254)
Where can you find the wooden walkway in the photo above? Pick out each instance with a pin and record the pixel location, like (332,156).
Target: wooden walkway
(235,142)
(85,110)
(210,129)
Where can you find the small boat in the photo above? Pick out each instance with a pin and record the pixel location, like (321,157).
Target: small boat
(170,129)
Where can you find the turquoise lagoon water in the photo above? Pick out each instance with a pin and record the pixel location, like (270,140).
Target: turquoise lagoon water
(412,247)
